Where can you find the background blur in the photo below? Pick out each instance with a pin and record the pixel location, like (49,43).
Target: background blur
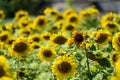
(35,7)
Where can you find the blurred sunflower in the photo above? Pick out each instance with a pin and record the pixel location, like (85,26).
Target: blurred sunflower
(73,18)
(35,38)
(117,67)
(35,45)
(109,17)
(64,67)
(78,38)
(110,26)
(114,77)
(116,41)
(53,29)
(47,11)
(20,47)
(2,15)
(24,22)
(40,22)
(102,37)
(5,73)
(20,14)
(114,56)
(11,26)
(68,27)
(59,24)
(58,39)
(59,17)
(46,36)
(47,53)
(67,12)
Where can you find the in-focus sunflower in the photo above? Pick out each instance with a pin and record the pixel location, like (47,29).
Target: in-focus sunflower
(73,18)
(114,56)
(35,45)
(46,36)
(116,41)
(20,14)
(78,38)
(24,22)
(5,72)
(47,53)
(110,26)
(20,47)
(64,67)
(40,22)
(69,27)
(2,15)
(35,38)
(58,39)
(102,37)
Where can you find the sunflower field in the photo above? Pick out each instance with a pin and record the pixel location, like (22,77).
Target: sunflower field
(67,45)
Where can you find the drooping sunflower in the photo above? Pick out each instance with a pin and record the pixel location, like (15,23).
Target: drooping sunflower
(73,18)
(24,22)
(35,38)
(58,39)
(5,72)
(64,67)
(20,47)
(46,36)
(47,53)
(2,15)
(116,41)
(35,45)
(79,38)
(20,14)
(110,26)
(114,56)
(69,27)
(102,37)
(40,22)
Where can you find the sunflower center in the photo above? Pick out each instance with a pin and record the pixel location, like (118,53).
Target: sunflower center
(0,15)
(36,39)
(10,41)
(20,47)
(21,74)
(118,41)
(24,24)
(2,72)
(21,15)
(53,13)
(115,57)
(60,40)
(60,17)
(26,32)
(64,67)
(69,27)
(36,47)
(111,25)
(79,38)
(41,22)
(73,19)
(101,38)
(47,37)
(86,15)
(47,53)
(3,37)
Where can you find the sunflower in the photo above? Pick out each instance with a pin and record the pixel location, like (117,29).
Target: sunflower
(59,24)
(110,26)
(58,39)
(54,13)
(64,67)
(114,77)
(47,11)
(68,12)
(117,67)
(114,56)
(102,37)
(2,15)
(68,27)
(10,41)
(94,11)
(35,38)
(4,36)
(73,18)
(78,38)
(35,45)
(40,22)
(46,36)
(11,27)
(25,31)
(4,69)
(53,29)
(109,17)
(24,21)
(47,53)
(19,14)
(59,17)
(20,47)
(116,41)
